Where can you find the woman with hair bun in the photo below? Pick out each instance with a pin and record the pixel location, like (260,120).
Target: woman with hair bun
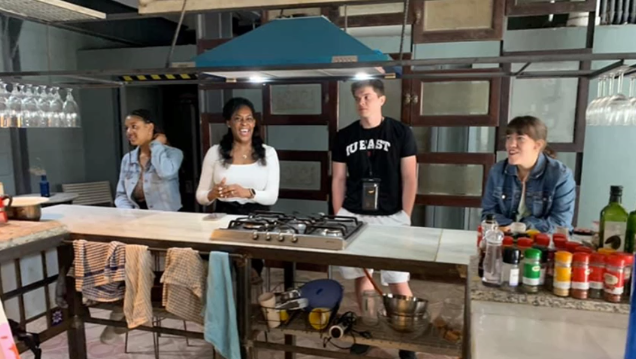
(530,186)
(149,176)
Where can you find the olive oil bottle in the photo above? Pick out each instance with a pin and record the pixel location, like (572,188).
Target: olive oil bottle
(613,224)
(630,236)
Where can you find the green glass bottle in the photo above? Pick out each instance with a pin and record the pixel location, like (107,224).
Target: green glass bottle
(613,224)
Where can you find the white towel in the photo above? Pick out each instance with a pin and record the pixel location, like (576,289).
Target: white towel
(184,284)
(139,281)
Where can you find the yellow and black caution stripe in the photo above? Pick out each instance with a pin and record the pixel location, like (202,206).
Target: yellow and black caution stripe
(165,77)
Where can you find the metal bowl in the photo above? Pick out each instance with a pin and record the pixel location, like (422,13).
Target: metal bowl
(408,324)
(404,306)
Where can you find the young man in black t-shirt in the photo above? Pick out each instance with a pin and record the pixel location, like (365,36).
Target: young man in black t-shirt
(379,153)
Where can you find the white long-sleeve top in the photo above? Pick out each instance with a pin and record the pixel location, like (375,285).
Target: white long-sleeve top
(264,180)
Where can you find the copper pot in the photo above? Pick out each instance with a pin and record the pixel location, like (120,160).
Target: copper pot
(25,213)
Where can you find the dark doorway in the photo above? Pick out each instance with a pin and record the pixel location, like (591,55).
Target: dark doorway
(180,105)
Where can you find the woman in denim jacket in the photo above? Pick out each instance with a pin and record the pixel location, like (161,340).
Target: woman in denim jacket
(149,177)
(530,186)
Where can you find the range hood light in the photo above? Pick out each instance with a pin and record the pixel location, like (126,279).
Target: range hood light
(258,79)
(361,76)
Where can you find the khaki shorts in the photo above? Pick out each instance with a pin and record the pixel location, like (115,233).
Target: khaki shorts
(387,277)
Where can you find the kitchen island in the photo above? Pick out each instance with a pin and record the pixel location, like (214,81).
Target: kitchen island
(414,249)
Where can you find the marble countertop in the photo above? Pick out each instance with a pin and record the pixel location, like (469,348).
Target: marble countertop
(401,243)
(480,292)
(16,233)
(504,330)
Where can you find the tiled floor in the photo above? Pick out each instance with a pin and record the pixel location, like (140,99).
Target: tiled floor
(141,347)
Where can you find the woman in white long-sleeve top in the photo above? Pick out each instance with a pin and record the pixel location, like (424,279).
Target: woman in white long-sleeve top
(241,174)
(149,177)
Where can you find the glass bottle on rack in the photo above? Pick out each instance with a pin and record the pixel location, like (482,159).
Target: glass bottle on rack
(613,224)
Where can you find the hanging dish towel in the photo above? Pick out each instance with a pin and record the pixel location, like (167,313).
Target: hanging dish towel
(184,284)
(139,281)
(100,270)
(220,313)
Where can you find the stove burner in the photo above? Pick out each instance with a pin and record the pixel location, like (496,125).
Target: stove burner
(276,228)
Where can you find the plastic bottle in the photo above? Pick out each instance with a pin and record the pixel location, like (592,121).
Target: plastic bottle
(492,259)
(44,187)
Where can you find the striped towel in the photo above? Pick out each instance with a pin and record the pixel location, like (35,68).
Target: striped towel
(100,270)
(139,281)
(184,284)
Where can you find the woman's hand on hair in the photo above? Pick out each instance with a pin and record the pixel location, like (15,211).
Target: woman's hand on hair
(236,191)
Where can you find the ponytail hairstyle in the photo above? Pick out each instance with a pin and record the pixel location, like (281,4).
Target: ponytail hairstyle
(533,128)
(146,116)
(225,146)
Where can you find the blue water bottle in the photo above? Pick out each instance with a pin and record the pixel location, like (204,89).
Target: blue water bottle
(630,346)
(44,187)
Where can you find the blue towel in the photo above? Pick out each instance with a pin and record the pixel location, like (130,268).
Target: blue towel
(220,313)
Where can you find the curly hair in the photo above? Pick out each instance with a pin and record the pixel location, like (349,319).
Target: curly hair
(227,142)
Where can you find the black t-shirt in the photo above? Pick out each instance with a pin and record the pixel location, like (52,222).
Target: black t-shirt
(374,153)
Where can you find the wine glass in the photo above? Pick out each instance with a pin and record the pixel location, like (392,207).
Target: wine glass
(55,108)
(43,106)
(4,109)
(591,114)
(71,110)
(29,108)
(616,103)
(15,106)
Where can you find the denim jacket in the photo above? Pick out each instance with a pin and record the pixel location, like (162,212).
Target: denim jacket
(550,195)
(161,178)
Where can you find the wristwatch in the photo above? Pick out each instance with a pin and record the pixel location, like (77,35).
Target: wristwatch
(252,193)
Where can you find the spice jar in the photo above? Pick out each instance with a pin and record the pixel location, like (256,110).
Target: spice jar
(571,246)
(549,274)
(559,240)
(597,270)
(510,273)
(543,263)
(508,241)
(614,278)
(532,232)
(523,244)
(531,270)
(583,249)
(542,240)
(606,251)
(580,275)
(629,262)
(562,273)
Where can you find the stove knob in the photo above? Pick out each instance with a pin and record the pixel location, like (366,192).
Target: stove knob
(268,237)
(294,239)
(255,236)
(281,237)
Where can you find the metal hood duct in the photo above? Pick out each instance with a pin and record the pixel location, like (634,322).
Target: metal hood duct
(288,42)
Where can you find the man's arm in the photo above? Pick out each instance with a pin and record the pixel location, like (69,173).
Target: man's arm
(409,183)
(338,185)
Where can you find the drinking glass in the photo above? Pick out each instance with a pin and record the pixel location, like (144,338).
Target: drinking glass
(70,110)
(15,107)
(29,108)
(4,109)
(55,108)
(370,307)
(43,106)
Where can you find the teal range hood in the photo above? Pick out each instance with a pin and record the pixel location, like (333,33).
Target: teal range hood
(288,42)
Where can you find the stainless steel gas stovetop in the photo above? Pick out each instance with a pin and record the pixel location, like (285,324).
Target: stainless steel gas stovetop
(279,229)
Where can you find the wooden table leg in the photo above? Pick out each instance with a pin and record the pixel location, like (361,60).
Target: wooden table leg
(76,311)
